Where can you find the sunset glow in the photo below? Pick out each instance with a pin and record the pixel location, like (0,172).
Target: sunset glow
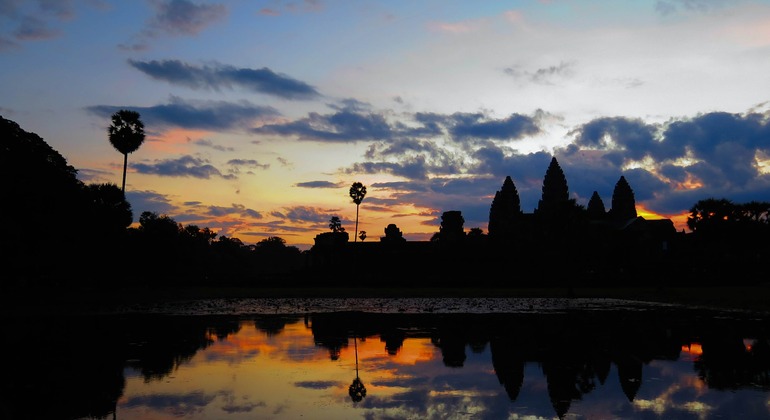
(259,117)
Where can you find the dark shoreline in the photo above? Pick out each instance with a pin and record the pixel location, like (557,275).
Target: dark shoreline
(743,298)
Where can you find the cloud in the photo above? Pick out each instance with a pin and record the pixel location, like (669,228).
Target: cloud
(206,115)
(184,166)
(671,166)
(249,163)
(236,209)
(465,126)
(353,123)
(279,7)
(31,20)
(183,17)
(304,214)
(544,75)
(152,201)
(95,176)
(343,126)
(218,76)
(721,146)
(33,29)
(175,18)
(212,145)
(669,7)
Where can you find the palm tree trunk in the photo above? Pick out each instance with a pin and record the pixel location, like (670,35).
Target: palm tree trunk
(125,164)
(355,234)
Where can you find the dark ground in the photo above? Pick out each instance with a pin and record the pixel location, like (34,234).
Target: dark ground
(40,302)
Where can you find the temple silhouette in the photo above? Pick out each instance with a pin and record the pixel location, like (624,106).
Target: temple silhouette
(559,243)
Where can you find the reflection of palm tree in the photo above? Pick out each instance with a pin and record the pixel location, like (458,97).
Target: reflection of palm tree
(357,390)
(126,134)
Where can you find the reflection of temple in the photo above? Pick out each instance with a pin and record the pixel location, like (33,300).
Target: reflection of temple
(78,364)
(575,350)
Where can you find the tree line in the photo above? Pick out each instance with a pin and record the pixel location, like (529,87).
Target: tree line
(62,232)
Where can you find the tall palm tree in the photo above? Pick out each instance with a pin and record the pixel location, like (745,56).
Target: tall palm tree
(126,134)
(357,193)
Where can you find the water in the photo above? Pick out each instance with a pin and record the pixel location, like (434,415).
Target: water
(411,358)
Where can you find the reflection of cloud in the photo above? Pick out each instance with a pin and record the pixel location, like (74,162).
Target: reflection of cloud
(316,384)
(179,405)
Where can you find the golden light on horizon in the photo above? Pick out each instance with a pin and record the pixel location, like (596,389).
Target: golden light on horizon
(694,349)
(679,220)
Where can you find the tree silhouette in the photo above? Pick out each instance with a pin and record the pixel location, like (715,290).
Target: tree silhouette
(711,215)
(110,211)
(357,193)
(335,224)
(126,134)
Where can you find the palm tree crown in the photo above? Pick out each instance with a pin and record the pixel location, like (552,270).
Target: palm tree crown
(126,134)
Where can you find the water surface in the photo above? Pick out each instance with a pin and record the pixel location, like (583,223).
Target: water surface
(390,358)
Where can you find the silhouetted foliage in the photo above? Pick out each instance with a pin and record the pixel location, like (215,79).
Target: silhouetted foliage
(126,134)
(728,240)
(110,211)
(41,198)
(335,224)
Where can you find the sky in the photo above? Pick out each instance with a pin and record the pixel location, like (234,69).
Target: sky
(259,115)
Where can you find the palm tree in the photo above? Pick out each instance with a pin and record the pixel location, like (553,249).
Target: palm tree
(126,134)
(335,224)
(357,193)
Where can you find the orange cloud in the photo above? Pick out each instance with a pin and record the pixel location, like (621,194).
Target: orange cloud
(176,140)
